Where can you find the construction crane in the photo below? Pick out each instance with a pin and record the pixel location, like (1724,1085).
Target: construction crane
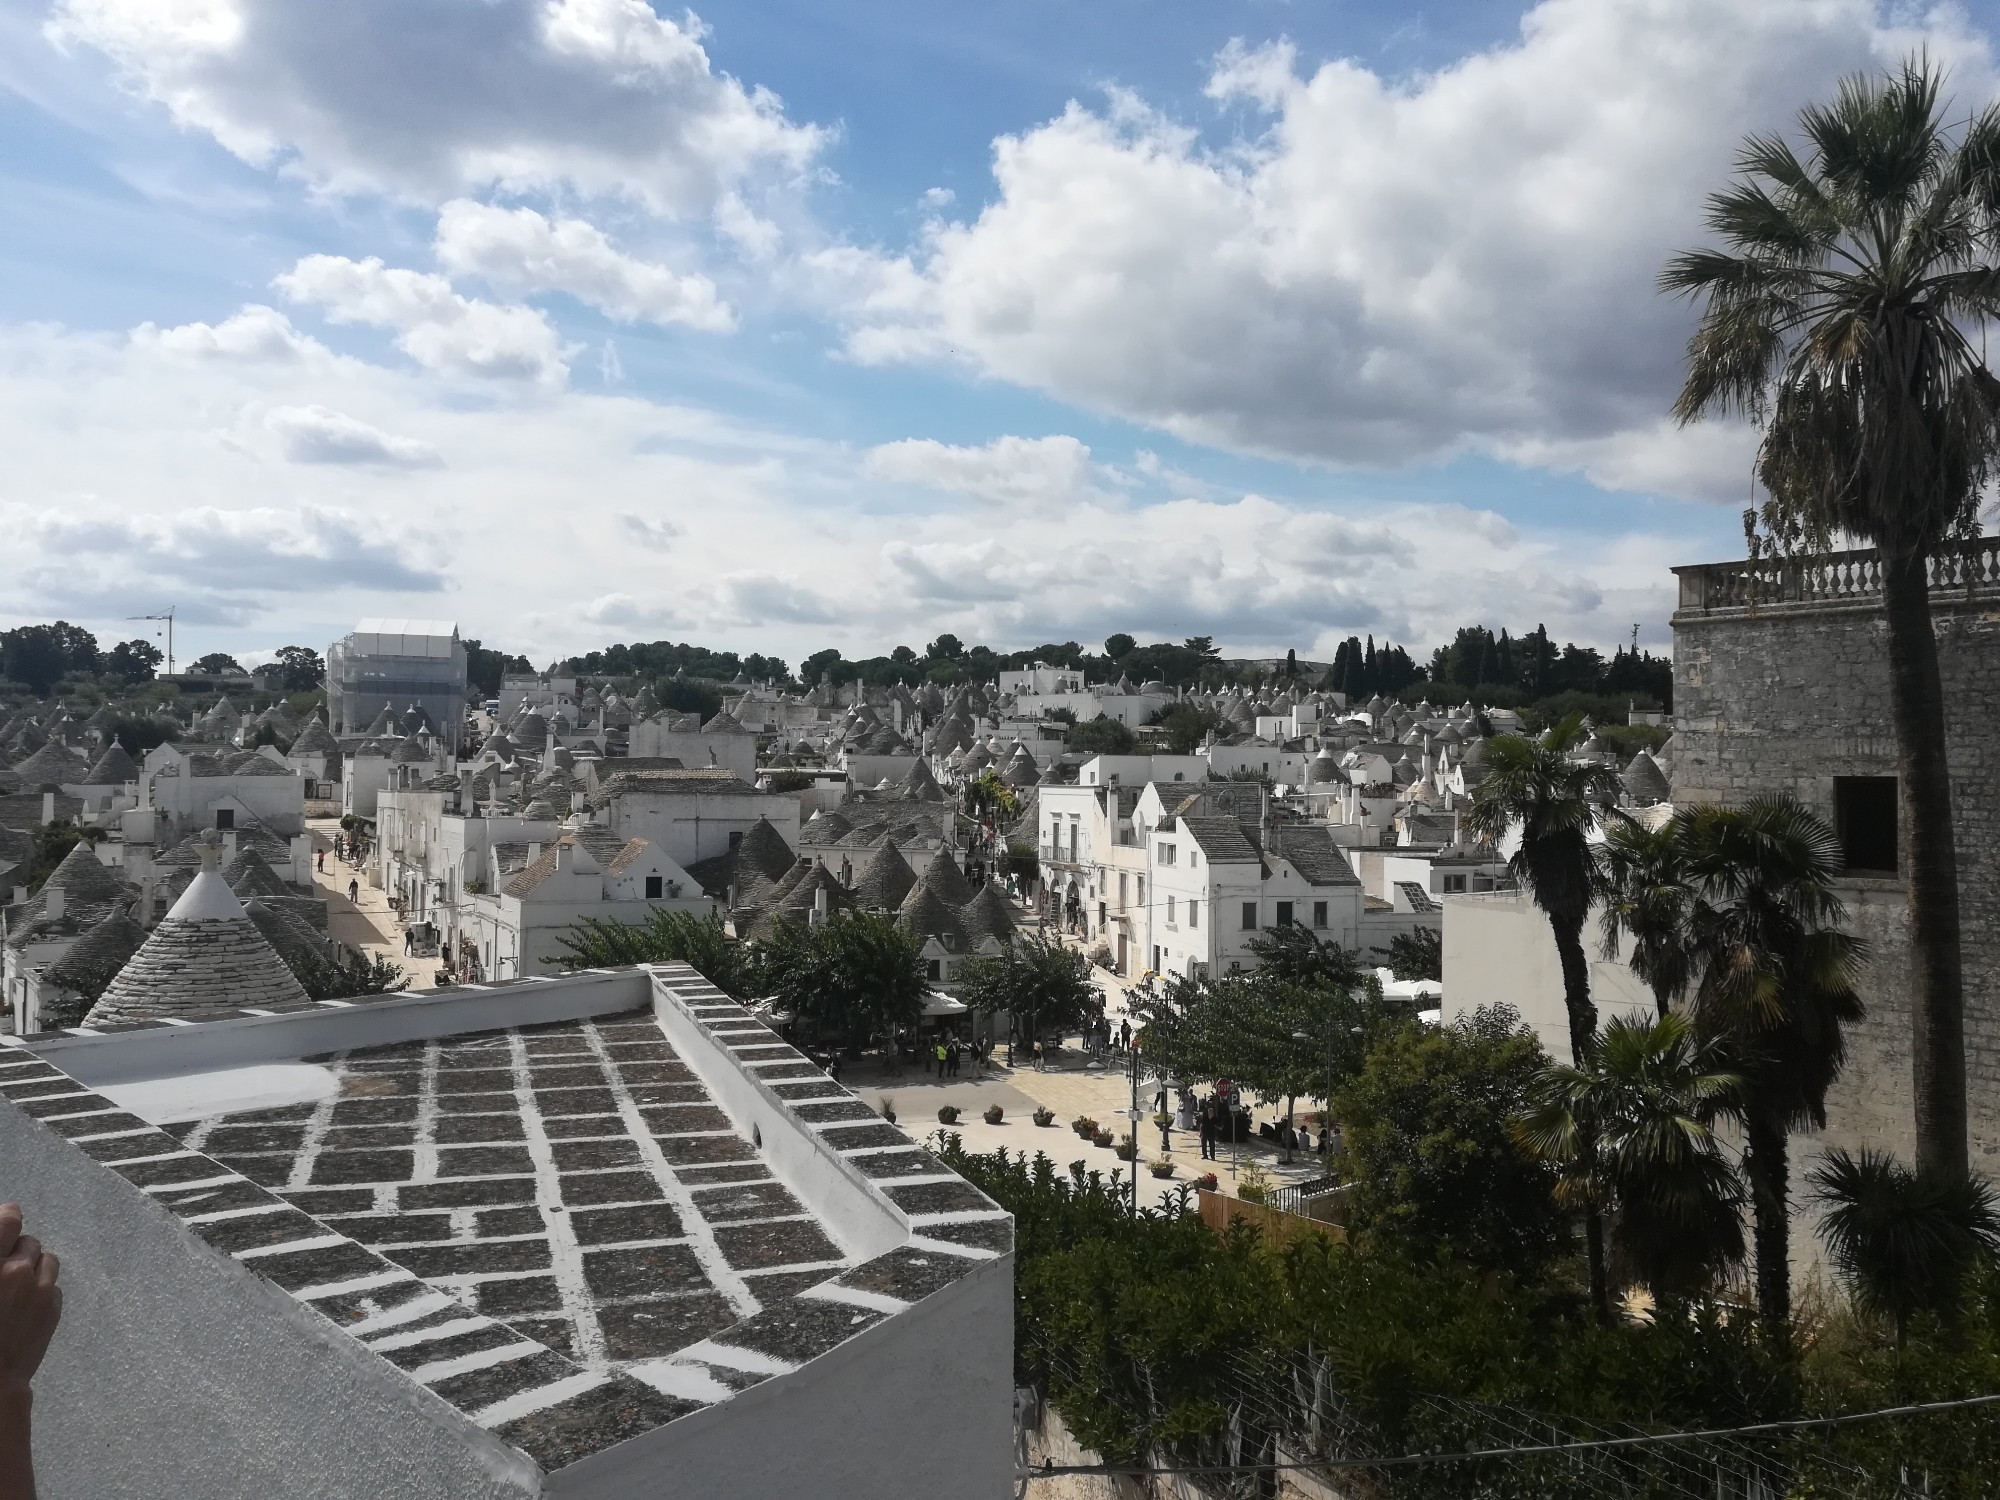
(169,618)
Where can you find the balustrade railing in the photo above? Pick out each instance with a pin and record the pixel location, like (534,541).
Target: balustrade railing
(1831,577)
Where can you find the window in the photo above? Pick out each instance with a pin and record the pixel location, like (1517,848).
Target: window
(1194,912)
(1123,890)
(1249,916)
(1453,883)
(1284,913)
(1167,854)
(933,968)
(1319,914)
(735,838)
(1194,858)
(1864,816)
(225,817)
(1156,958)
(1142,890)
(656,887)
(1170,911)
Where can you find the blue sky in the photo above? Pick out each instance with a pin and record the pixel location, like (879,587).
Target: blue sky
(798,325)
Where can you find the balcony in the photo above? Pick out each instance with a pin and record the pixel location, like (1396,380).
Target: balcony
(1830,578)
(1057,854)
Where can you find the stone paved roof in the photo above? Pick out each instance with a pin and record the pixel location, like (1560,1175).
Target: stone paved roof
(91,963)
(1644,782)
(946,881)
(248,875)
(987,914)
(885,879)
(924,914)
(1312,852)
(52,764)
(113,768)
(1222,839)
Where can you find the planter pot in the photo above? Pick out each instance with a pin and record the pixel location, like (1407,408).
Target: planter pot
(1162,1169)
(1207,1180)
(1043,1117)
(1128,1153)
(948,1115)
(995,1114)
(1103,1139)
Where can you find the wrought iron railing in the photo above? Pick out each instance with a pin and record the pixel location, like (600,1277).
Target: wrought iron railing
(1829,577)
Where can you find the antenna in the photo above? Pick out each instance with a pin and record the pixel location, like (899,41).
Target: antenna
(1635,640)
(169,618)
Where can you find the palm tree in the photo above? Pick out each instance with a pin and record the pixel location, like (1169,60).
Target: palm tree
(1904,1240)
(1555,801)
(1634,1130)
(1846,317)
(1646,897)
(1776,987)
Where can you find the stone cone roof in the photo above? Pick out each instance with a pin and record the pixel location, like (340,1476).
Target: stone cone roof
(249,876)
(946,881)
(113,768)
(885,880)
(1644,782)
(764,852)
(51,764)
(988,915)
(205,955)
(921,786)
(91,963)
(297,944)
(84,881)
(785,883)
(409,752)
(925,915)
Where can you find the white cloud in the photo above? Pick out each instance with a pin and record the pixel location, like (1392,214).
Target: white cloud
(1014,471)
(520,251)
(432,101)
(256,333)
(315,435)
(1392,271)
(441,330)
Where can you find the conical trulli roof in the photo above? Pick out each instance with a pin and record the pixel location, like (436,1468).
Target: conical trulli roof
(113,768)
(293,941)
(1644,782)
(763,850)
(91,963)
(946,881)
(885,880)
(51,765)
(988,915)
(248,875)
(925,915)
(206,954)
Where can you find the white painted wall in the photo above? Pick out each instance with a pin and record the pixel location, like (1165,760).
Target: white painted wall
(1499,950)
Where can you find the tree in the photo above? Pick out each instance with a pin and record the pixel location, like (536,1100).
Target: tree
(987,793)
(1418,954)
(1044,984)
(904,656)
(1276,1037)
(947,647)
(666,936)
(1119,646)
(1647,898)
(1848,316)
(858,975)
(218,662)
(337,977)
(302,667)
(1437,1169)
(1904,1240)
(1187,726)
(1633,1131)
(1103,735)
(1555,801)
(133,661)
(1294,954)
(1203,646)
(1777,986)
(40,656)
(823,666)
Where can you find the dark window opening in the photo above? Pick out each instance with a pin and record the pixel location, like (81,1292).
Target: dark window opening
(933,969)
(1319,914)
(1249,917)
(656,887)
(1864,816)
(735,838)
(225,817)
(1284,913)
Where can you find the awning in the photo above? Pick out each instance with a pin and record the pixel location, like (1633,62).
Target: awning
(937,1004)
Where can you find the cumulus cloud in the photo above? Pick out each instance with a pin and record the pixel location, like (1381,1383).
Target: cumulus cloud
(1007,471)
(257,333)
(520,251)
(444,332)
(315,435)
(1386,271)
(604,97)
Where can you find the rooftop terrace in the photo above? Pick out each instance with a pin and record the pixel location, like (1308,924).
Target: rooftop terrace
(585,1219)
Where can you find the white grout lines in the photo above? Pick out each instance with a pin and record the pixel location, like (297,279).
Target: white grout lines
(565,1256)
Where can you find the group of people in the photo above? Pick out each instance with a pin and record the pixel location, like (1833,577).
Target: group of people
(947,1052)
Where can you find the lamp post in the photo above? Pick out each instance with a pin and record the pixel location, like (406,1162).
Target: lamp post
(1133,1121)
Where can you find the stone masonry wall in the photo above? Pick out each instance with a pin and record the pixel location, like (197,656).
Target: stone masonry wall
(1791,696)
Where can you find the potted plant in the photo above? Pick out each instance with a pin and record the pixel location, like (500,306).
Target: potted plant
(1084,1126)
(1128,1149)
(1161,1168)
(1208,1182)
(1044,1115)
(1100,1138)
(995,1114)
(888,1107)
(948,1114)
(1253,1183)
(1162,1120)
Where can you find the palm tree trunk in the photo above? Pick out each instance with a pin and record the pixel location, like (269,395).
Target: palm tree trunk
(1769,1174)
(1937,1052)
(1576,984)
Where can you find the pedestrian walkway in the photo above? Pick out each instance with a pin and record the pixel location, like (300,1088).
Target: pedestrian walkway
(366,923)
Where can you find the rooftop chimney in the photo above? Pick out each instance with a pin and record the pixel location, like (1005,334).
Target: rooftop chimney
(52,901)
(48,807)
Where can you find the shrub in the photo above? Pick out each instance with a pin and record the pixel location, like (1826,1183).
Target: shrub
(1100,1138)
(948,1114)
(1161,1168)
(1128,1149)
(888,1107)
(1045,1116)
(1208,1182)
(1084,1126)
(994,1114)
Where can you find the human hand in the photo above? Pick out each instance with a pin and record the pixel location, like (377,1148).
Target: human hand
(30,1300)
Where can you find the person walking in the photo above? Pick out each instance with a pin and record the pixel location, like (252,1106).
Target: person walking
(321,866)
(1206,1120)
(941,1055)
(408,937)
(353,893)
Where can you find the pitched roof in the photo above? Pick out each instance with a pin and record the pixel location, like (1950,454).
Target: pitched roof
(289,936)
(1312,852)
(1223,839)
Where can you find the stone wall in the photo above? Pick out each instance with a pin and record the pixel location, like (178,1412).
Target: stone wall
(1788,696)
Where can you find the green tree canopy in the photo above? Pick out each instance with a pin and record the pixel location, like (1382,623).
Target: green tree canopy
(857,976)
(1042,982)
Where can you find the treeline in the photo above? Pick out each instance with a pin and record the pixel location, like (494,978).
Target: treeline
(39,658)
(1517,672)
